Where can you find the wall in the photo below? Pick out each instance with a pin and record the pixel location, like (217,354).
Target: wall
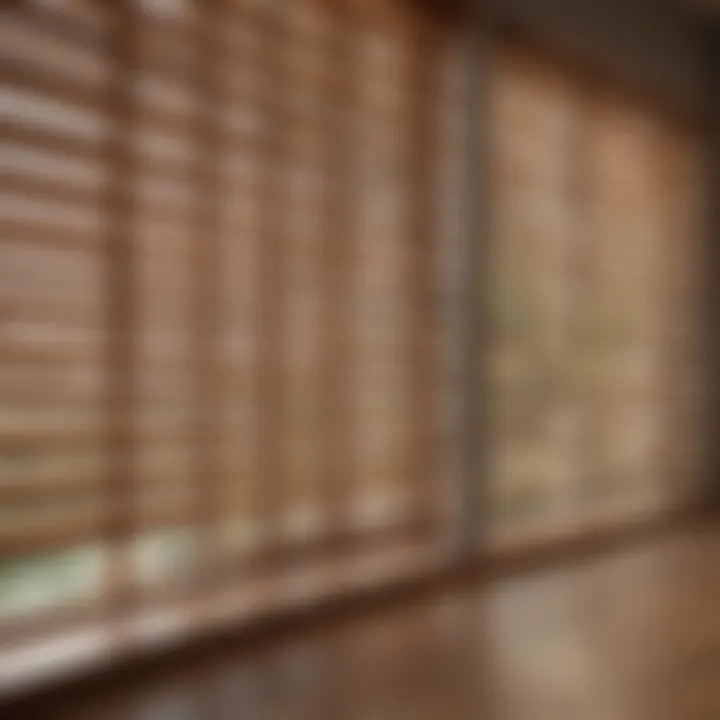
(655,42)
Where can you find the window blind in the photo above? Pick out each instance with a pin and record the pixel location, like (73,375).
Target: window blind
(595,302)
(219,291)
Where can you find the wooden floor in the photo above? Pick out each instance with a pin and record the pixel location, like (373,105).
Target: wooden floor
(631,636)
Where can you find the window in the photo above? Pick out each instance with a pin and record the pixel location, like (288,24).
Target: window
(218,293)
(595,305)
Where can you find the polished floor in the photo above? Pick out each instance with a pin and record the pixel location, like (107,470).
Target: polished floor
(630,636)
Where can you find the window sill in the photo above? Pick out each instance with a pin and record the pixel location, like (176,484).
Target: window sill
(74,650)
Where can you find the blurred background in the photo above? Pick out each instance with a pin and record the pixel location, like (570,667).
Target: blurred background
(303,302)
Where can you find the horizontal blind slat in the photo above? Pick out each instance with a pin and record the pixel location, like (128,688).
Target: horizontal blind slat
(19,75)
(40,188)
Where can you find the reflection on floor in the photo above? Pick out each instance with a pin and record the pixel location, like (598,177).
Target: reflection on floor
(635,636)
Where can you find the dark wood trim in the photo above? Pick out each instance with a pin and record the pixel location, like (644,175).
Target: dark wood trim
(508,32)
(712,273)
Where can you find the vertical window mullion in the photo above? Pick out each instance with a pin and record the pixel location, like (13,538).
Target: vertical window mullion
(121,300)
(206,259)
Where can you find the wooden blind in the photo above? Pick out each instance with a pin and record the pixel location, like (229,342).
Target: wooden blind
(53,328)
(224,227)
(219,289)
(595,362)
